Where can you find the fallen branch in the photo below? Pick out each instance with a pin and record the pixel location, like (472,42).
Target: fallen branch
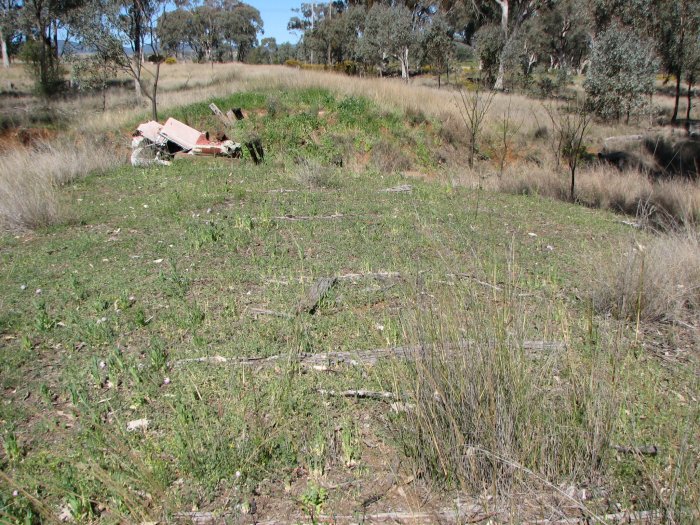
(317,291)
(359,394)
(646,516)
(369,275)
(218,359)
(471,277)
(644,450)
(623,138)
(631,223)
(403,188)
(262,311)
(308,217)
(330,360)
(438,516)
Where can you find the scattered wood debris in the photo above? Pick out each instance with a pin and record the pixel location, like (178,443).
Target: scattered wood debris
(225,119)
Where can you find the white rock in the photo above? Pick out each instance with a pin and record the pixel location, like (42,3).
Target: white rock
(137,424)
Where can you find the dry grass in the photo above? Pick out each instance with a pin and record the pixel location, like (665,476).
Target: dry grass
(484,414)
(659,281)
(659,204)
(29,178)
(530,167)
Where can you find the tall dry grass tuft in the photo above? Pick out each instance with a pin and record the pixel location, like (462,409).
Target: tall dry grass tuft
(659,281)
(664,204)
(29,178)
(483,413)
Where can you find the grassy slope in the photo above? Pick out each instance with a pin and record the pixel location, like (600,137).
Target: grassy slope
(160,264)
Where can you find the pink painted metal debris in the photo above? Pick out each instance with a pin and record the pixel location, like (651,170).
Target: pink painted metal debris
(153,142)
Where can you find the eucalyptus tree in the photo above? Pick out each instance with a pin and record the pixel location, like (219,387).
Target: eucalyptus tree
(437,45)
(9,11)
(674,25)
(621,75)
(118,32)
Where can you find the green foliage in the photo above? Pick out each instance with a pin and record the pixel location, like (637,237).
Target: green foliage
(621,76)
(489,46)
(16,509)
(312,501)
(44,66)
(212,31)
(13,451)
(222,238)
(437,45)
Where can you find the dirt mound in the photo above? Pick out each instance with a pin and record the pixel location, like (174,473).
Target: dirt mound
(14,138)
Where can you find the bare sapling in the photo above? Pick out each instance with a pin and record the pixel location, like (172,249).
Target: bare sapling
(570,124)
(507,129)
(473,105)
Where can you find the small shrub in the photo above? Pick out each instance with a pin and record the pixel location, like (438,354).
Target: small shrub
(29,178)
(387,157)
(171,60)
(541,132)
(452,131)
(483,413)
(315,176)
(658,281)
(621,76)
(44,67)
(415,116)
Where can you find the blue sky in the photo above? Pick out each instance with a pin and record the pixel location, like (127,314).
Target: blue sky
(275,15)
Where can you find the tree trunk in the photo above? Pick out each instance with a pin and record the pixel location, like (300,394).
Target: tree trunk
(498,85)
(404,63)
(674,117)
(3,48)
(138,59)
(690,101)
(55,39)
(503,4)
(154,93)
(572,191)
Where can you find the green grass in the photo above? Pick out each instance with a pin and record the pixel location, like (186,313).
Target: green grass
(161,264)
